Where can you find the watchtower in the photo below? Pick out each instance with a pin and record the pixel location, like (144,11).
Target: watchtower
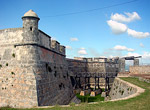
(30,26)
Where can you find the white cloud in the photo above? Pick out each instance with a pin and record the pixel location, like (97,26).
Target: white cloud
(141,45)
(82,48)
(68,47)
(53,38)
(73,39)
(136,34)
(116,27)
(146,55)
(82,51)
(123,48)
(128,17)
(133,54)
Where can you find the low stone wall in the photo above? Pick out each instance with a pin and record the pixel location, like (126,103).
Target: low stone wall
(123,90)
(145,79)
(144,69)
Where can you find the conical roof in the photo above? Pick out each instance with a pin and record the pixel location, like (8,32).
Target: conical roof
(30,13)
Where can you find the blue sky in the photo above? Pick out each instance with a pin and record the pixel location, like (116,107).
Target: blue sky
(122,30)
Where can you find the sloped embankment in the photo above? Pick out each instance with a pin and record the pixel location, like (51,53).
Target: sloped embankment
(123,90)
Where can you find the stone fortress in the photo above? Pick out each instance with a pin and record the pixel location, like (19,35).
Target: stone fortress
(34,70)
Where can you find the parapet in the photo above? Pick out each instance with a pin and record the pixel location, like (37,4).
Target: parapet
(91,59)
(63,49)
(55,45)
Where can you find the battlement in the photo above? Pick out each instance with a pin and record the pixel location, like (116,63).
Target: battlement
(91,59)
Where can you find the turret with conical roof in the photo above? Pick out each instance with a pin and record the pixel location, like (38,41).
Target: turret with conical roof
(30,26)
(29,14)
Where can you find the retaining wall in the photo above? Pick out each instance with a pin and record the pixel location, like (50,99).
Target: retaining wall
(123,90)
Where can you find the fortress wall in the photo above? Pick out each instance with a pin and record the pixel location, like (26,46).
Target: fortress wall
(33,76)
(75,67)
(97,67)
(11,36)
(120,89)
(44,39)
(53,81)
(92,65)
(123,90)
(17,80)
(144,69)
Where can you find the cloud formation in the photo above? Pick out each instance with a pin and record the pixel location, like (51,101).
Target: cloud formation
(133,54)
(68,47)
(128,17)
(146,55)
(136,34)
(53,38)
(123,48)
(116,27)
(82,51)
(73,39)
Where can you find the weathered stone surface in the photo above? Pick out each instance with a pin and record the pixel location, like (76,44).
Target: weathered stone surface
(121,89)
(143,69)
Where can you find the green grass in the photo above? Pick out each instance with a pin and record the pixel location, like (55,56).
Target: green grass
(141,102)
(88,98)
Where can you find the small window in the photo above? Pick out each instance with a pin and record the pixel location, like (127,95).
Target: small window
(31,28)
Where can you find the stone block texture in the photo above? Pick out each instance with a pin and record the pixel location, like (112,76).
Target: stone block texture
(121,89)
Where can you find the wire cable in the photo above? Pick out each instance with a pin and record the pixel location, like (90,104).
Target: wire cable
(96,9)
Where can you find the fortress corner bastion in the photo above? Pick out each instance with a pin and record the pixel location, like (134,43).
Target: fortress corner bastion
(33,68)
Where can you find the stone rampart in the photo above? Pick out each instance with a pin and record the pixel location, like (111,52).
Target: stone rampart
(92,65)
(123,90)
(32,72)
(143,69)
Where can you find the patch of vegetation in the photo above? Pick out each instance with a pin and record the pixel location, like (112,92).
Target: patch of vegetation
(13,55)
(116,87)
(72,104)
(122,92)
(6,64)
(89,98)
(12,73)
(0,66)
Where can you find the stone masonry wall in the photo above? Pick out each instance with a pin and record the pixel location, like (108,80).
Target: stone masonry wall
(31,72)
(17,80)
(144,69)
(53,80)
(121,89)
(92,65)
